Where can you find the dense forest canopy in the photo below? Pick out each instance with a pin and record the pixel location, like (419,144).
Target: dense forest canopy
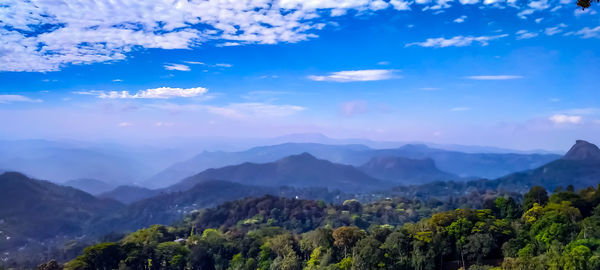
(541,231)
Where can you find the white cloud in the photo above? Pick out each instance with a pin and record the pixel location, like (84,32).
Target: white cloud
(194,62)
(524,34)
(400,4)
(224,65)
(356,75)
(429,88)
(460,109)
(578,12)
(178,67)
(124,124)
(550,31)
(117,80)
(155,93)
(16,98)
(49,35)
(245,110)
(565,119)
(539,5)
(494,77)
(589,32)
(383,63)
(164,124)
(458,41)
(460,19)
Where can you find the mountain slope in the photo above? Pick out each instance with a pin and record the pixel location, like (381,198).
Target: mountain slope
(405,171)
(579,167)
(129,194)
(302,170)
(91,186)
(166,208)
(42,210)
(489,165)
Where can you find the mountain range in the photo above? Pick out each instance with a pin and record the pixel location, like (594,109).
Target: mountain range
(303,170)
(41,211)
(486,165)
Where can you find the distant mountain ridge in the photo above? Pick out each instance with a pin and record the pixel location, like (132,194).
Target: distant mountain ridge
(463,164)
(405,171)
(91,186)
(303,170)
(129,194)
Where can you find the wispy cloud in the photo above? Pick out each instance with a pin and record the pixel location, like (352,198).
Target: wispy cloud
(429,88)
(178,67)
(224,65)
(460,109)
(356,75)
(460,19)
(16,98)
(550,31)
(587,32)
(124,124)
(524,34)
(494,77)
(245,110)
(565,119)
(155,93)
(457,41)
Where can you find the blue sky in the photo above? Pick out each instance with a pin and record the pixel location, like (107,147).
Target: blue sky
(516,74)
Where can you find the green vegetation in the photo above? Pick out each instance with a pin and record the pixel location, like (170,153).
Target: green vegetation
(560,231)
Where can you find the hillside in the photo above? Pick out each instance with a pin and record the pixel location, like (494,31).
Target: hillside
(405,171)
(91,186)
(42,210)
(128,194)
(166,208)
(579,167)
(302,170)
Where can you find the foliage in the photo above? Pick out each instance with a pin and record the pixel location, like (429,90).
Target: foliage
(556,232)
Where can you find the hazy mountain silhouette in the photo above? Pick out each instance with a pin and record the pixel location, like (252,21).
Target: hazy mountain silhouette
(490,165)
(405,171)
(303,170)
(579,167)
(129,194)
(91,186)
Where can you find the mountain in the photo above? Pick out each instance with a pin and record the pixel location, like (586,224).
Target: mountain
(91,186)
(579,167)
(39,210)
(303,170)
(405,171)
(488,165)
(263,154)
(129,194)
(583,151)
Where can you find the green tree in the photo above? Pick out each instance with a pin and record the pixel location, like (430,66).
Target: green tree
(367,255)
(536,194)
(346,237)
(460,230)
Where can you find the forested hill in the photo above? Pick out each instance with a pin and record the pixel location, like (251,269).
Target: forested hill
(561,231)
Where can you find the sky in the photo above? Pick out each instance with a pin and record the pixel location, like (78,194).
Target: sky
(515,74)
